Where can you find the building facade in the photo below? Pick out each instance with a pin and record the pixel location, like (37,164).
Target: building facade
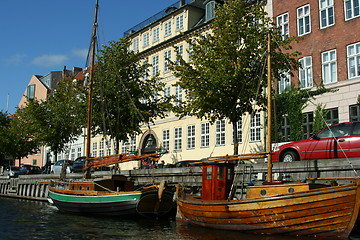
(329,44)
(159,39)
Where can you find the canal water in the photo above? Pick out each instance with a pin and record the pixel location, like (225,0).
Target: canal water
(25,219)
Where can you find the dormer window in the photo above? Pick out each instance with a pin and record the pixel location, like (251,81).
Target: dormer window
(31,91)
(209,10)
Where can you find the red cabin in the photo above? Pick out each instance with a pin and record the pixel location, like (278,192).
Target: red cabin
(217,179)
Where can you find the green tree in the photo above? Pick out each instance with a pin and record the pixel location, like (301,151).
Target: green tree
(227,73)
(319,119)
(124,95)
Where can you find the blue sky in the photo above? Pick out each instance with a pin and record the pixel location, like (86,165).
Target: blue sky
(40,36)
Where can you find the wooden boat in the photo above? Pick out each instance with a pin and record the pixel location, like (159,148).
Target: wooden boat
(114,196)
(299,209)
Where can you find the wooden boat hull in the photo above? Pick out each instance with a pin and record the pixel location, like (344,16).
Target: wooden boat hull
(325,212)
(108,205)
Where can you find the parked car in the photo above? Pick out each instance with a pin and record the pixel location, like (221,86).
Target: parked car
(30,169)
(78,164)
(12,171)
(340,140)
(58,166)
(186,163)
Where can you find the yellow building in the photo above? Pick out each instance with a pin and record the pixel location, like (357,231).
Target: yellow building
(157,39)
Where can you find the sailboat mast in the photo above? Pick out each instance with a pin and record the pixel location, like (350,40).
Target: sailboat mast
(269,107)
(89,118)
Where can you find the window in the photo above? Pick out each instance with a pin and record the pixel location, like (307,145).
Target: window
(303,20)
(177,138)
(284,82)
(332,116)
(155,65)
(167,28)
(108,147)
(285,129)
(166,92)
(326,8)
(307,124)
(305,72)
(238,131)
(166,139)
(101,148)
(79,152)
(146,37)
(179,22)
(133,143)
(220,132)
(178,95)
(116,147)
(179,52)
(191,137)
(351,9)
(255,128)
(136,44)
(354,112)
(209,11)
(353,56)
(156,34)
(329,72)
(190,51)
(167,57)
(31,91)
(205,135)
(124,147)
(72,154)
(282,21)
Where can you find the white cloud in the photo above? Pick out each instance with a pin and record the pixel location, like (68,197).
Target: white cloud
(49,60)
(80,52)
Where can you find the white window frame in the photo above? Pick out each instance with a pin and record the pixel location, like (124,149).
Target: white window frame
(101,148)
(255,128)
(177,139)
(303,20)
(205,135)
(282,21)
(136,44)
(238,131)
(353,60)
(94,149)
(156,34)
(209,11)
(132,143)
(167,57)
(305,72)
(284,82)
(351,8)
(108,147)
(329,66)
(179,22)
(155,65)
(124,146)
(190,136)
(167,28)
(180,52)
(166,139)
(326,12)
(146,39)
(178,95)
(220,131)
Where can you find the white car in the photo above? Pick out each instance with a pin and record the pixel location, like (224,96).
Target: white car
(58,166)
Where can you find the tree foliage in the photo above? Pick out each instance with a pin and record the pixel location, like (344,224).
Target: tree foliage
(124,95)
(227,75)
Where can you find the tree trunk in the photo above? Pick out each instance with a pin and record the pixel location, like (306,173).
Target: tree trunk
(235,137)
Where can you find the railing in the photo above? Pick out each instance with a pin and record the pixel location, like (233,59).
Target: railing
(156,16)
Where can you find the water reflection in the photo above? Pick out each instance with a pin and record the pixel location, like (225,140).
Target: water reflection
(22,219)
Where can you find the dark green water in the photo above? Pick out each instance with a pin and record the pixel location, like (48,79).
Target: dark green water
(23,219)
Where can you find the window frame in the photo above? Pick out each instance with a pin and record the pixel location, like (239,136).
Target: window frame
(329,63)
(302,15)
(156,34)
(205,135)
(167,57)
(306,71)
(255,127)
(190,137)
(355,57)
(179,20)
(166,139)
(352,9)
(326,8)
(220,133)
(282,21)
(167,28)
(155,65)
(177,139)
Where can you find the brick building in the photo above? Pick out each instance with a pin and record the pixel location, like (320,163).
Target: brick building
(330,53)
